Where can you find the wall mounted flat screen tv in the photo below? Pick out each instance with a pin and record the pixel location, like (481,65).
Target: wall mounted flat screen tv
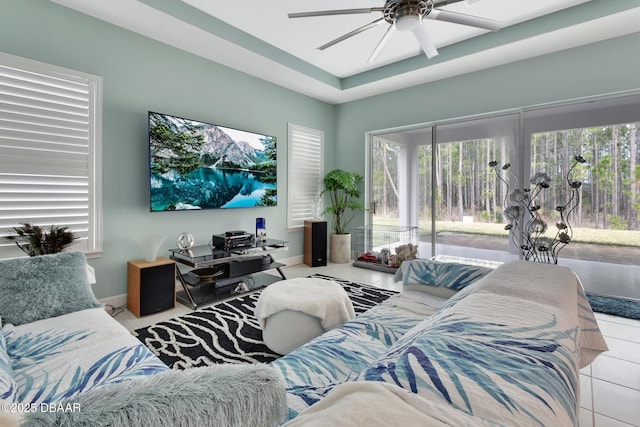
(198,165)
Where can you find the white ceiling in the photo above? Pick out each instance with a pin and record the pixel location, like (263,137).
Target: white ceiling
(302,36)
(258,38)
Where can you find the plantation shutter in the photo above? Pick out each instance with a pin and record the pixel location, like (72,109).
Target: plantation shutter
(305,173)
(49,146)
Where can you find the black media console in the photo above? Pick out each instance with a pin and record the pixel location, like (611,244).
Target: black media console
(208,274)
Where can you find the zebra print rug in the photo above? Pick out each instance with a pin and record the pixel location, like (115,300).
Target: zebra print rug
(229,332)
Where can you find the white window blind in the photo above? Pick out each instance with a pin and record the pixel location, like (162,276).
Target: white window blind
(49,149)
(305,173)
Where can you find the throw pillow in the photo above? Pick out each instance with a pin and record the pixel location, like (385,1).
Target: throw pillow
(44,286)
(450,275)
(220,395)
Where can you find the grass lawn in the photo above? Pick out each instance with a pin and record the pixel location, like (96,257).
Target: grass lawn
(582,235)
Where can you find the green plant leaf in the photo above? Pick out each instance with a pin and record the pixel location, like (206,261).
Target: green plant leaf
(344,191)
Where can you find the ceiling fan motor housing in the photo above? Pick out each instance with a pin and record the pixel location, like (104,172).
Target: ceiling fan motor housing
(397,9)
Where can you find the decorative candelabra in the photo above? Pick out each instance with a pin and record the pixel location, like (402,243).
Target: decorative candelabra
(526,226)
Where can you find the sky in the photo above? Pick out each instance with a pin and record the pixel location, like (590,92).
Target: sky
(238,135)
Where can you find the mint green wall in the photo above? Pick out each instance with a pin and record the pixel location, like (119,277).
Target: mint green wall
(596,69)
(140,74)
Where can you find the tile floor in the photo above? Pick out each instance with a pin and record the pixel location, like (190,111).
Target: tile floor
(610,387)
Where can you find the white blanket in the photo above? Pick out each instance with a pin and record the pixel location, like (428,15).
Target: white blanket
(320,298)
(373,404)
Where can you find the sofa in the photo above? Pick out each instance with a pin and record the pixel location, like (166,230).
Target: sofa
(65,362)
(505,350)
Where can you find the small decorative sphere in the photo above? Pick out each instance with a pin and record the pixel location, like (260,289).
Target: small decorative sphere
(185,241)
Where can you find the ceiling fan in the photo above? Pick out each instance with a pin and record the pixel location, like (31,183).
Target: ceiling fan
(406,15)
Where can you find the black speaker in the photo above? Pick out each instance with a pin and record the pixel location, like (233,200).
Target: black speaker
(315,243)
(151,286)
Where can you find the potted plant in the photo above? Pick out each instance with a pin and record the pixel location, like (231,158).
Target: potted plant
(34,240)
(344,191)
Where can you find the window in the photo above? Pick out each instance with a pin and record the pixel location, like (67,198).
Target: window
(305,173)
(459,206)
(607,212)
(605,224)
(50,126)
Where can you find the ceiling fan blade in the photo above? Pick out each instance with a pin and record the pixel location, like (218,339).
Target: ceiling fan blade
(335,12)
(352,33)
(425,40)
(464,19)
(382,43)
(440,3)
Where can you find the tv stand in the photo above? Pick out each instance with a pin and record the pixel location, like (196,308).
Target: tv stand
(208,274)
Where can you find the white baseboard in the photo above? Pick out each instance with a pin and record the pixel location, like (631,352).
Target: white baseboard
(115,301)
(295,260)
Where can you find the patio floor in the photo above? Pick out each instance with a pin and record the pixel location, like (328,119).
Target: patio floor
(626,255)
(603,270)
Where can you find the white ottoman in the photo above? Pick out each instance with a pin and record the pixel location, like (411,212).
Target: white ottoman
(292,312)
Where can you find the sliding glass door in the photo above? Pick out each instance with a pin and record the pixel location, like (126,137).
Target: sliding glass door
(445,186)
(605,230)
(467,204)
(437,177)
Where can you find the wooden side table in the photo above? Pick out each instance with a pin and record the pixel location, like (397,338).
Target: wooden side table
(151,286)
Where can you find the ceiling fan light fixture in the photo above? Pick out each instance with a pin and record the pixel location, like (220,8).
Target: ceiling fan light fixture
(407,15)
(407,22)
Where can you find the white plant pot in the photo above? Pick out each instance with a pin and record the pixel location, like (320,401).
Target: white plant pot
(340,248)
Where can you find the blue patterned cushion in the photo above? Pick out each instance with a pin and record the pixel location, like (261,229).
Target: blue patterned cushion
(450,275)
(8,390)
(44,286)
